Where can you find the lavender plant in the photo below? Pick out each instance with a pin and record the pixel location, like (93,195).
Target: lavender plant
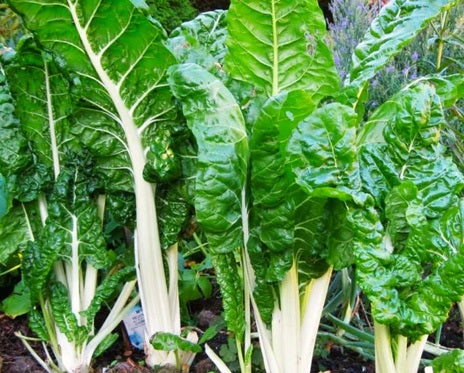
(439,47)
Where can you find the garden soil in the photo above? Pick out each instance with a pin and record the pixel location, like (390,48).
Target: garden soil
(122,358)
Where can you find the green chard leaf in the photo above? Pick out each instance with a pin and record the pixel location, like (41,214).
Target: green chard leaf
(63,315)
(15,158)
(201,40)
(409,253)
(37,324)
(231,287)
(218,126)
(72,231)
(322,154)
(171,342)
(401,142)
(275,194)
(278,45)
(43,106)
(15,232)
(174,213)
(396,26)
(119,103)
(219,129)
(450,362)
(117,61)
(283,223)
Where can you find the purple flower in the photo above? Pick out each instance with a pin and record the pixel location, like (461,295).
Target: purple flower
(344,23)
(405,71)
(337,61)
(390,68)
(413,76)
(415,56)
(374,82)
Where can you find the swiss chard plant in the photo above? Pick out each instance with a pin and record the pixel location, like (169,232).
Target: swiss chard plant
(54,219)
(105,96)
(285,181)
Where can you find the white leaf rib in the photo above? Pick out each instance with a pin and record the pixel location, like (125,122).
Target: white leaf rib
(112,41)
(133,65)
(92,16)
(154,119)
(146,93)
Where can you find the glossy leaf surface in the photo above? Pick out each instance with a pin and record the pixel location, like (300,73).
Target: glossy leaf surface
(278,45)
(323,155)
(201,40)
(395,26)
(218,126)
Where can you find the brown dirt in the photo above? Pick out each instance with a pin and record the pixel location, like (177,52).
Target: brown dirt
(121,358)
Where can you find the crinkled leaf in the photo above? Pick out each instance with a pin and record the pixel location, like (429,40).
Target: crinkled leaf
(72,231)
(396,25)
(278,45)
(37,263)
(275,194)
(73,227)
(15,157)
(413,289)
(173,214)
(201,40)
(311,239)
(401,142)
(63,316)
(263,292)
(404,210)
(43,104)
(230,283)
(218,126)
(340,239)
(37,324)
(172,342)
(322,154)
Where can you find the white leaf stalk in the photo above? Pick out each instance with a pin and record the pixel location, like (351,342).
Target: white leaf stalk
(404,358)
(161,311)
(81,285)
(288,346)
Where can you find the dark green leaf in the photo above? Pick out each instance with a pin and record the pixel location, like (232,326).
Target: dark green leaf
(230,283)
(107,342)
(15,232)
(218,126)
(323,154)
(63,316)
(37,324)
